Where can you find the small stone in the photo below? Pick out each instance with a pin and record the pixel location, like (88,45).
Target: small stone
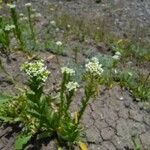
(121,98)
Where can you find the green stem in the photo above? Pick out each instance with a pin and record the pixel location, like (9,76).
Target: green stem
(88,94)
(31,27)
(146,79)
(62,102)
(17,29)
(69,99)
(84,104)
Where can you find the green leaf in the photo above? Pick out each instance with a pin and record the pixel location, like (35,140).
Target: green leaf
(4,98)
(21,141)
(44,134)
(6,119)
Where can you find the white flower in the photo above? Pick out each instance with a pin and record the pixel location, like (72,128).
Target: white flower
(28,4)
(12,6)
(67,70)
(117,56)
(38,15)
(21,14)
(57,29)
(32,16)
(118,53)
(72,86)
(59,43)
(68,25)
(24,18)
(53,23)
(52,9)
(36,70)
(33,10)
(9,27)
(94,67)
(121,98)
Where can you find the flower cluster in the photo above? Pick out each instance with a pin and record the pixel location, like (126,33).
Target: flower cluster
(68,26)
(59,43)
(94,67)
(9,27)
(28,4)
(36,70)
(67,70)
(21,15)
(117,56)
(72,86)
(38,15)
(53,23)
(33,10)
(11,6)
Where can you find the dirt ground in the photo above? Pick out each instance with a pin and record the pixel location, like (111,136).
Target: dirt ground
(114,117)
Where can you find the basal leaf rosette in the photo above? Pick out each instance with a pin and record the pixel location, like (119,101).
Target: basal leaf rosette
(36,71)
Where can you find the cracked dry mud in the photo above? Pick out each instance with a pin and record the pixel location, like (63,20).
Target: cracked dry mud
(113,119)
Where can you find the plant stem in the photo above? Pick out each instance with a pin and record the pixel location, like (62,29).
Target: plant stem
(88,94)
(69,99)
(17,28)
(84,104)
(146,79)
(31,27)
(61,107)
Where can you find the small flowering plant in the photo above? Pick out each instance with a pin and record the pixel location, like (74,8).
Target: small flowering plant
(29,11)
(36,71)
(5,31)
(116,58)
(43,115)
(92,78)
(17,28)
(94,68)
(93,75)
